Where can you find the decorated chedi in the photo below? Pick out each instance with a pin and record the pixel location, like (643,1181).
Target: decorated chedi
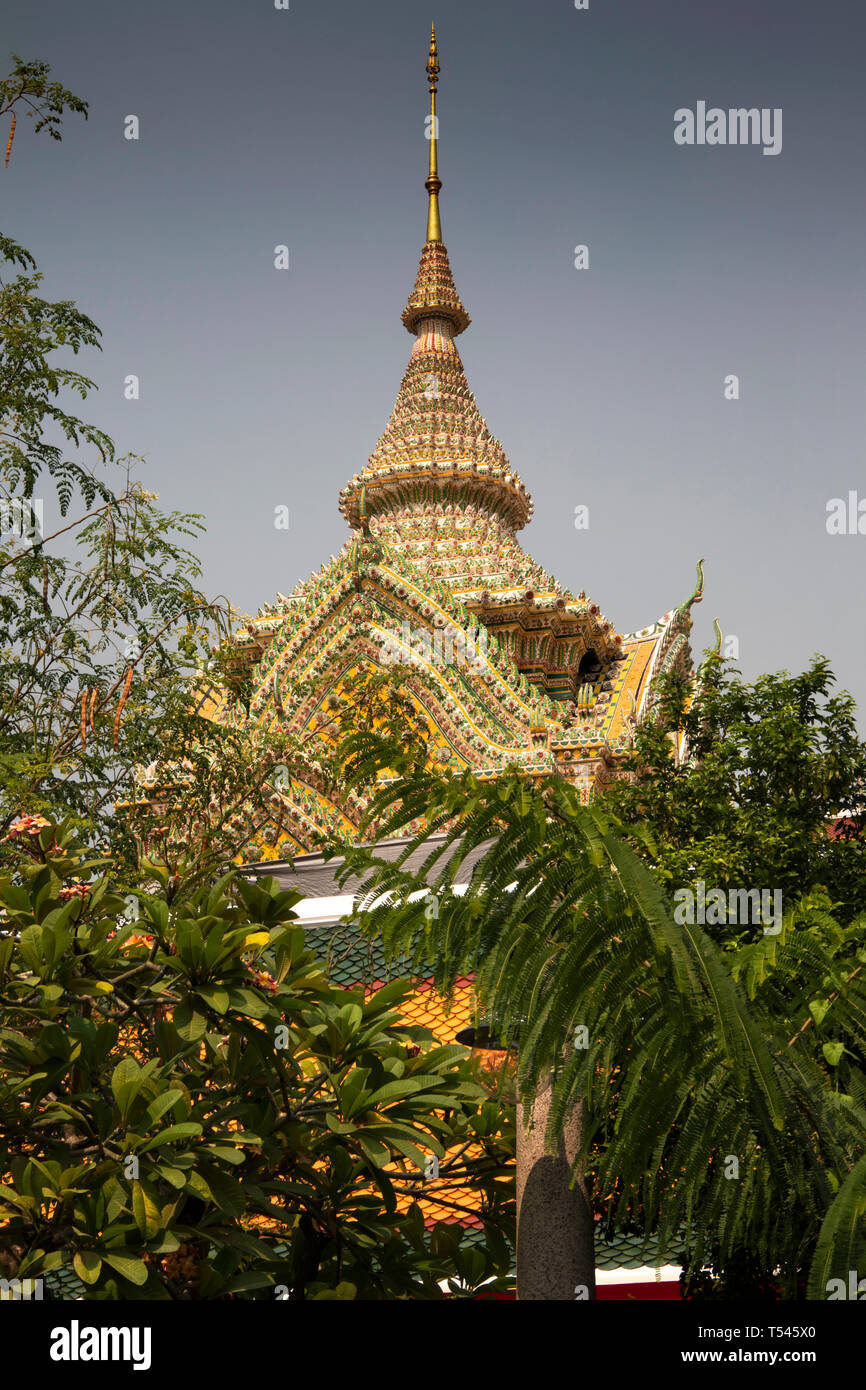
(507,665)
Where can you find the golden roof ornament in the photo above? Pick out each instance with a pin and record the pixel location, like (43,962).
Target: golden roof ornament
(434,292)
(433,183)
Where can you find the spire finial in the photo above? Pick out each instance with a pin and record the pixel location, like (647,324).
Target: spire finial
(433,183)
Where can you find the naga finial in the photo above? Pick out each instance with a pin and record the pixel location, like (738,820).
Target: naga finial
(698,593)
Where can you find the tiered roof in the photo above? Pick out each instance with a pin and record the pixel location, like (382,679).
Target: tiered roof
(434,570)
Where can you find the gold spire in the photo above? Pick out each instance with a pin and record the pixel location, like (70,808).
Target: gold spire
(433,183)
(436,450)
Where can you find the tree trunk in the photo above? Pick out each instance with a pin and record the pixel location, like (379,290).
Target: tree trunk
(555,1228)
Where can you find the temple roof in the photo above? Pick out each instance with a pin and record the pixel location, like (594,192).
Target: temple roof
(317,877)
(505,666)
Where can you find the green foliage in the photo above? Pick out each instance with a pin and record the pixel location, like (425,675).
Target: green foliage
(688,1057)
(73,624)
(32,385)
(768,765)
(190,1110)
(44,102)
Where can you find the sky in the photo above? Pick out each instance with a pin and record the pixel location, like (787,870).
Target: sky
(608,386)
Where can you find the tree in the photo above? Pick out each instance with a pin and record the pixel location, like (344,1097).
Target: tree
(188,1110)
(99,642)
(102,639)
(769,766)
(105,631)
(774,771)
(641,1018)
(45,102)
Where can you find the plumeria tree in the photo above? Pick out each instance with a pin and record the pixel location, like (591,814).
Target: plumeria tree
(189,1110)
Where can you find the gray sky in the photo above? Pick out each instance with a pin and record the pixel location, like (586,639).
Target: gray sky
(606,386)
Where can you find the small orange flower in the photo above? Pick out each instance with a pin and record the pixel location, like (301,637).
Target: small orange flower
(138,941)
(75,890)
(27,825)
(264,980)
